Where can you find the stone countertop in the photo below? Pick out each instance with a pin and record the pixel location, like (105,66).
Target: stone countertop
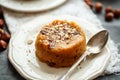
(114,30)
(7,71)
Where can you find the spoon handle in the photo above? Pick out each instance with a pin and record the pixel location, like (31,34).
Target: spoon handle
(70,71)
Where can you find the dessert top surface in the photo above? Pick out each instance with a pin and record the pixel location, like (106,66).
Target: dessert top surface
(61,34)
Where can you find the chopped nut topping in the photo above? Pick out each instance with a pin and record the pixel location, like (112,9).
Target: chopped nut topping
(30,42)
(58,31)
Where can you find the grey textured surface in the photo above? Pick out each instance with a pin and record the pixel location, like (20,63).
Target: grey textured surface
(114,30)
(7,71)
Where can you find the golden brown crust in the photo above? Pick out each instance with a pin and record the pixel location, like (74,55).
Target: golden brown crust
(60,51)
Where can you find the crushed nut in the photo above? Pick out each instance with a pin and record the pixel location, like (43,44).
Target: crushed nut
(58,31)
(30,42)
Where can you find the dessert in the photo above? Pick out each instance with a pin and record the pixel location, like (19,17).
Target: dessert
(60,43)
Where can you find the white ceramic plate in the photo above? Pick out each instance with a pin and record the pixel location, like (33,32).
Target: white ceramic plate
(22,55)
(31,5)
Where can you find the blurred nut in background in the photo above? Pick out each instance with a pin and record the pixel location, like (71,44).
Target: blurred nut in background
(117,13)
(98,7)
(90,4)
(1,23)
(109,16)
(1,31)
(4,39)
(3,44)
(87,1)
(5,36)
(108,9)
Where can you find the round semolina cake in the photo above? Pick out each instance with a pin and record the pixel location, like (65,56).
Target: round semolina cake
(60,43)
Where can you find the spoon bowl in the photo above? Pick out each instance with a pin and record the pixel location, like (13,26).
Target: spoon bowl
(97,42)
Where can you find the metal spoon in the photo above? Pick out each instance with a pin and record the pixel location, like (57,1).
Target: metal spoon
(94,46)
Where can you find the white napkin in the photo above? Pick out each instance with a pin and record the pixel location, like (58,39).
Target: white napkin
(72,7)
